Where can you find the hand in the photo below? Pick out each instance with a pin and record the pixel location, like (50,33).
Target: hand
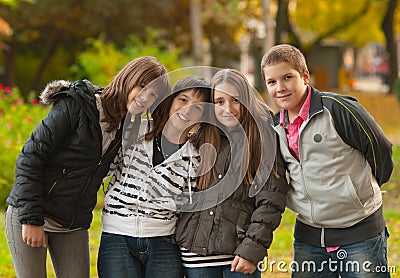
(242,265)
(33,235)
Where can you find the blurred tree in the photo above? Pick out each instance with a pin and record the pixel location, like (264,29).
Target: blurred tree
(196,28)
(49,34)
(101,60)
(44,28)
(308,22)
(391,44)
(225,21)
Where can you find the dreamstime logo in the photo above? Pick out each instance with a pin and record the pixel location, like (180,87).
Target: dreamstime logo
(341,254)
(186,200)
(342,265)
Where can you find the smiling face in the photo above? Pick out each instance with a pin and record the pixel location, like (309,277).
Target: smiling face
(227,105)
(140,98)
(186,110)
(286,86)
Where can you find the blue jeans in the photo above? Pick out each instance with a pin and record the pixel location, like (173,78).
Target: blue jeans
(363,259)
(217,272)
(131,257)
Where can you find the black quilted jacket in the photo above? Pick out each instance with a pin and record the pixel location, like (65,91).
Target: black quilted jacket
(60,167)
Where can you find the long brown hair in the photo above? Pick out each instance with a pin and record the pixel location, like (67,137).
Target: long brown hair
(160,115)
(250,107)
(139,72)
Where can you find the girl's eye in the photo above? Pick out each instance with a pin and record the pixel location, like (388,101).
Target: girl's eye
(218,102)
(154,95)
(270,83)
(235,100)
(199,108)
(288,77)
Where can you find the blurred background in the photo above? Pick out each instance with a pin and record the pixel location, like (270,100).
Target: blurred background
(352,47)
(345,41)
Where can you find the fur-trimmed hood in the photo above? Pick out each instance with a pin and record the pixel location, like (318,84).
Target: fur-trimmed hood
(52,88)
(82,87)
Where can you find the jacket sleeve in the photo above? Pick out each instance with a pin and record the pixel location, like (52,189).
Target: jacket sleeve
(270,204)
(359,130)
(35,156)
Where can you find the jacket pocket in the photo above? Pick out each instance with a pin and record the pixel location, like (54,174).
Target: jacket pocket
(56,178)
(364,189)
(351,187)
(231,230)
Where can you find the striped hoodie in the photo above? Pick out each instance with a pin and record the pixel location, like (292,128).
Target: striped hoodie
(139,201)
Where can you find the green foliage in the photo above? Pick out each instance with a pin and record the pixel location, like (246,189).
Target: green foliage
(17,120)
(102,60)
(393,186)
(28,62)
(315,18)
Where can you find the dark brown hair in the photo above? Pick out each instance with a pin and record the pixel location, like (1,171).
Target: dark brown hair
(161,113)
(139,72)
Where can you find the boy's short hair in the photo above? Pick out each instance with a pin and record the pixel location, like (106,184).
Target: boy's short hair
(284,53)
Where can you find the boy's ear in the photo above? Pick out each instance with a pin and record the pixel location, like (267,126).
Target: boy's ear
(306,77)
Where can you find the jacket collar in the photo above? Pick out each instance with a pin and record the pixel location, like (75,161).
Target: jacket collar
(315,106)
(316,103)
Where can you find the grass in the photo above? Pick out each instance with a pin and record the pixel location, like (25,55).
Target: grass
(386,111)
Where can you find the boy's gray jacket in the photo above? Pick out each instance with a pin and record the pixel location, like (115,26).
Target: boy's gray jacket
(239,225)
(344,158)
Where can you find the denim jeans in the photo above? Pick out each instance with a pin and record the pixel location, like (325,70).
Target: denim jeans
(217,272)
(131,257)
(363,259)
(69,251)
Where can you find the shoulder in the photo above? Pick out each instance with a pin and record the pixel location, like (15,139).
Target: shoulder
(336,100)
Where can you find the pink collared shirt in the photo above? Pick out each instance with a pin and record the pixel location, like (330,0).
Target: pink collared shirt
(292,129)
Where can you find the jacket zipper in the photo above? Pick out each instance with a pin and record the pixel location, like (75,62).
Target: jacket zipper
(90,179)
(52,187)
(64,172)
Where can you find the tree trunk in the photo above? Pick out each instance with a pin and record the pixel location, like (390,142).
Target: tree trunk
(49,54)
(269,31)
(283,31)
(196,31)
(391,47)
(9,65)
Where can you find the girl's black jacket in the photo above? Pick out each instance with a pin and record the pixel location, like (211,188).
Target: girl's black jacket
(61,166)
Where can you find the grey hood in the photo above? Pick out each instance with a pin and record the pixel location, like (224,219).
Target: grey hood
(53,87)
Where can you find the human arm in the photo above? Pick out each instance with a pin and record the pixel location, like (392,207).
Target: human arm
(358,129)
(35,159)
(270,204)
